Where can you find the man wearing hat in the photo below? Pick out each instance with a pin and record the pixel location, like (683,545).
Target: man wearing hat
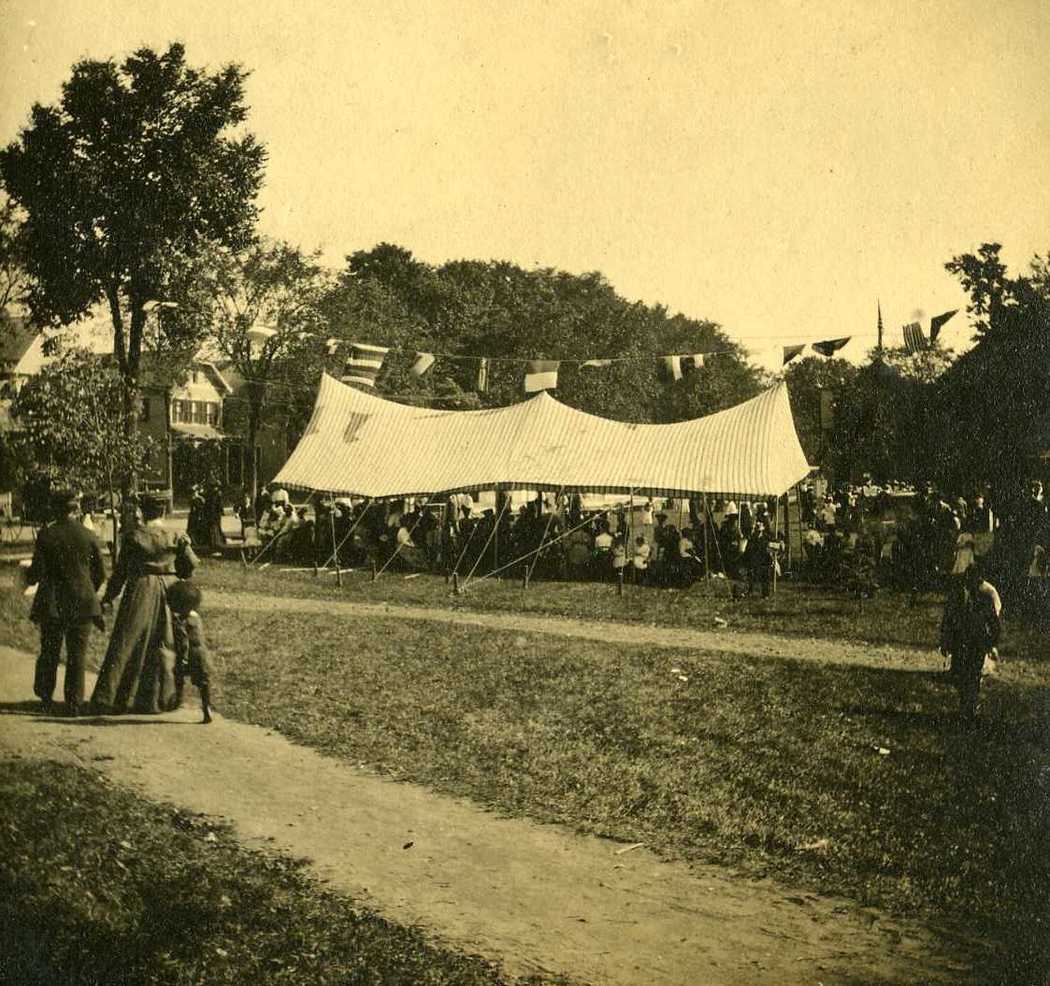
(67,566)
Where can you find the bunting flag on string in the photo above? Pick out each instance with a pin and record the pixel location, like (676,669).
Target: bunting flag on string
(672,366)
(364,364)
(914,339)
(483,375)
(790,352)
(937,321)
(694,361)
(597,362)
(828,347)
(424,361)
(332,345)
(541,374)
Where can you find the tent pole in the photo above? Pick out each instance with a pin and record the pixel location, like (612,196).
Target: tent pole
(335,547)
(628,548)
(707,564)
(718,547)
(495,541)
(543,541)
(776,528)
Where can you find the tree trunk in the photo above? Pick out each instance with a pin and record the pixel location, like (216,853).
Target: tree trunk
(255,399)
(128,352)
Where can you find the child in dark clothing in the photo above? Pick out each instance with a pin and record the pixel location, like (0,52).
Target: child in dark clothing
(191,651)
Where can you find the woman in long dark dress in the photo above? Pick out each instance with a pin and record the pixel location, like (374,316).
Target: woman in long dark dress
(138,672)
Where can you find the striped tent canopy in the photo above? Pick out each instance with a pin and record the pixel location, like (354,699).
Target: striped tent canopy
(358,443)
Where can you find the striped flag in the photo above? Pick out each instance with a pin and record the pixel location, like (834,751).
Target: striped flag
(695,361)
(483,375)
(672,366)
(364,364)
(541,374)
(424,361)
(914,339)
(828,347)
(597,362)
(937,321)
(790,352)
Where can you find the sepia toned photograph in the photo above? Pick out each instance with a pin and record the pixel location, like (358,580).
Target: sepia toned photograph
(524,494)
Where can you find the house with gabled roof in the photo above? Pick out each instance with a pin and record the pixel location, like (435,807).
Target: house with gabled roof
(185,420)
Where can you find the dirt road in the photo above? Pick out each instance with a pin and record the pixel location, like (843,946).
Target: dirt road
(535,897)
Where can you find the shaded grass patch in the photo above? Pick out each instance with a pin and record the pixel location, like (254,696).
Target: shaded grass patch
(98,887)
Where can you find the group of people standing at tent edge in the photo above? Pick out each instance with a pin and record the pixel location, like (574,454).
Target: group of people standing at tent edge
(204,524)
(551,537)
(157,640)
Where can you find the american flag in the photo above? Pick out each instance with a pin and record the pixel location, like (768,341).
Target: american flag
(364,364)
(914,338)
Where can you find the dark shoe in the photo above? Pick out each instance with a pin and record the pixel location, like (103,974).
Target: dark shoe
(47,705)
(73,711)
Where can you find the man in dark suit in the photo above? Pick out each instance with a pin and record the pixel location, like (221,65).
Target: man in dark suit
(67,565)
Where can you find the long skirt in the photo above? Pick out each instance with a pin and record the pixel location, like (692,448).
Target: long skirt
(138,672)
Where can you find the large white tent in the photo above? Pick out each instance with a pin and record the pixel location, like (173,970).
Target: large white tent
(360,444)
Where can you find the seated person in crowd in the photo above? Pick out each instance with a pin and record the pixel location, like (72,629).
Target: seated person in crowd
(578,552)
(281,533)
(269,523)
(408,551)
(640,559)
(603,544)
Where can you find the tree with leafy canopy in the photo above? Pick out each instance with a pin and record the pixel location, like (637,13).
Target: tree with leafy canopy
(71,426)
(139,167)
(262,306)
(992,408)
(14,281)
(365,304)
(472,308)
(807,379)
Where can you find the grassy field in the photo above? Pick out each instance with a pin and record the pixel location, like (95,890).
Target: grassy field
(773,766)
(99,887)
(854,781)
(797,610)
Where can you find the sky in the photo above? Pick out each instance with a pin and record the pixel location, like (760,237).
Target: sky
(774,166)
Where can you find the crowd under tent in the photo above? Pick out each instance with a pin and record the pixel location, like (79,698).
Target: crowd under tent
(359,444)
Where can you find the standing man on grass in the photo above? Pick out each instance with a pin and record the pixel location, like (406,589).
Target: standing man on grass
(969,631)
(67,565)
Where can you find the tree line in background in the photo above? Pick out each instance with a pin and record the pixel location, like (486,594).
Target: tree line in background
(979,420)
(137,193)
